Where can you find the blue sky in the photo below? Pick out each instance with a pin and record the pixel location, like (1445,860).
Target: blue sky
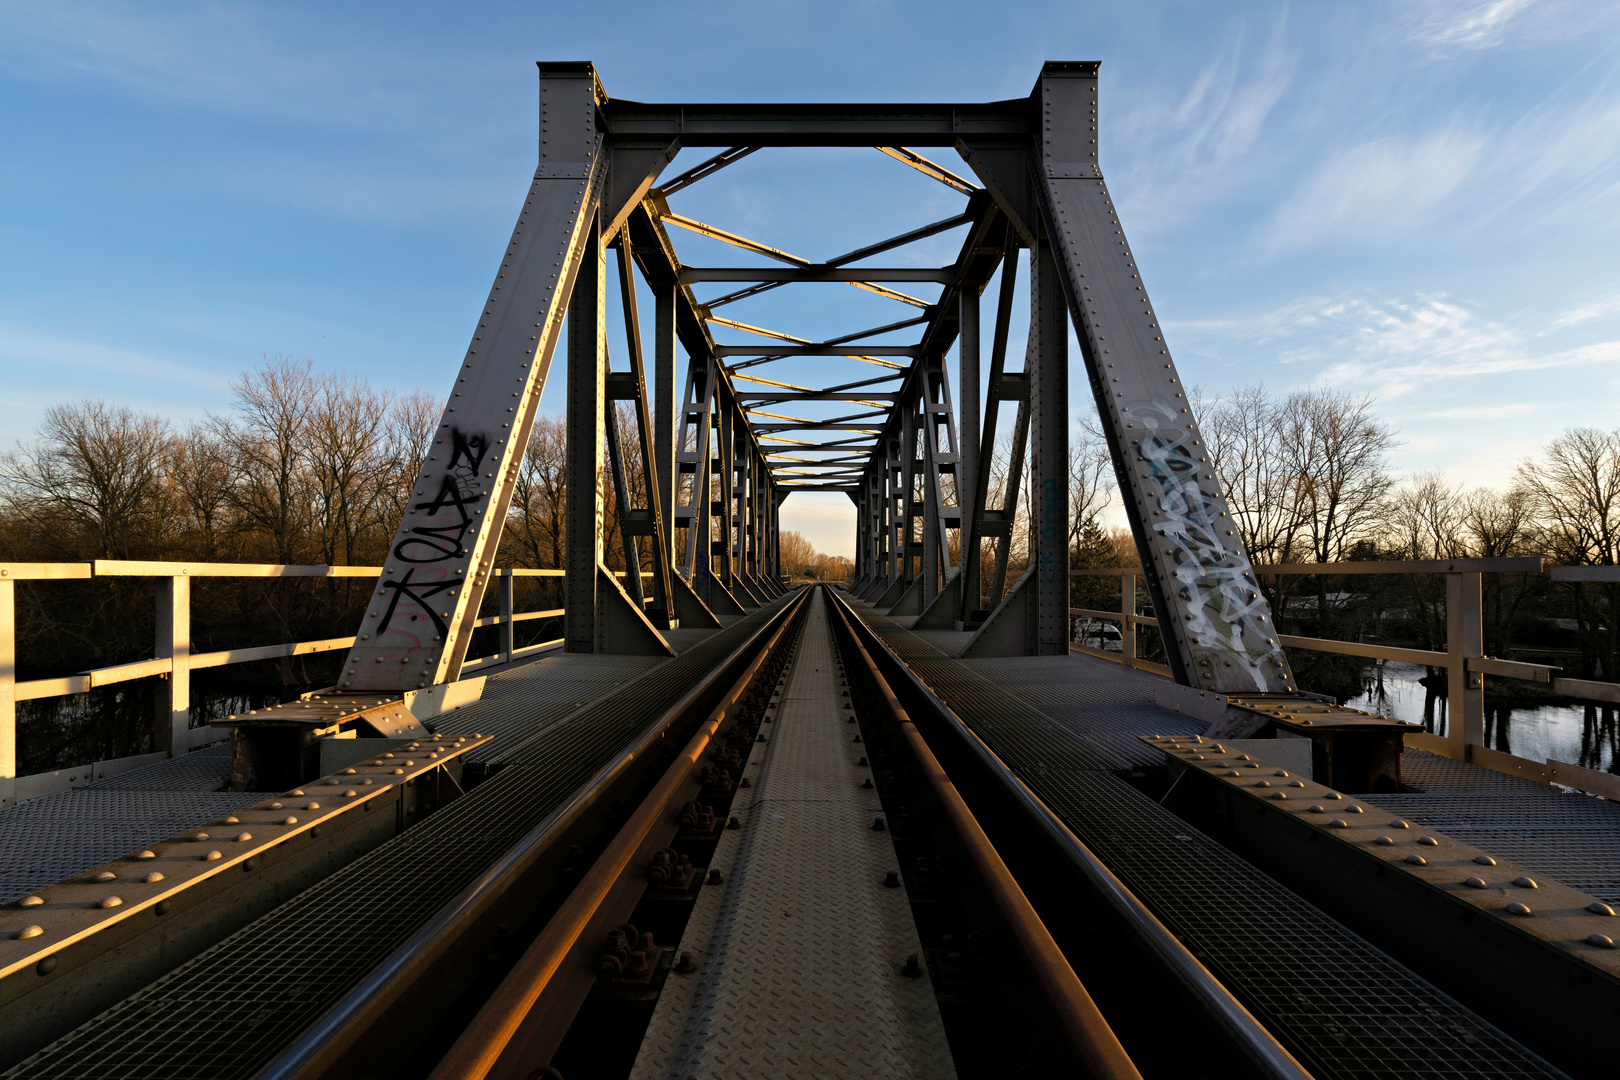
(1419,200)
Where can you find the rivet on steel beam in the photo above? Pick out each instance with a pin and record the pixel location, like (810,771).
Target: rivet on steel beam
(348,772)
(350,793)
(211,856)
(146,854)
(30,932)
(1318,809)
(1333,795)
(1484,860)
(745,782)
(399,772)
(1233,772)
(1399,824)
(1429,841)
(1602,941)
(232,820)
(856,739)
(30,901)
(735,822)
(1339,823)
(1599,908)
(275,806)
(1296,783)
(153,878)
(1384,840)
(1355,809)
(106,875)
(243,837)
(878,825)
(892,880)
(1417,860)
(1263,783)
(1525,882)
(1476,883)
(110,902)
(1280,772)
(296,791)
(866,784)
(1518,909)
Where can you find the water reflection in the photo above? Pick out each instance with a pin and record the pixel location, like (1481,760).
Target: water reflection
(1587,735)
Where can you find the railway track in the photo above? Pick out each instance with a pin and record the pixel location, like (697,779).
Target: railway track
(552,960)
(578,991)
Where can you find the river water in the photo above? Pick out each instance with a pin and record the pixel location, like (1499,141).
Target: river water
(1579,734)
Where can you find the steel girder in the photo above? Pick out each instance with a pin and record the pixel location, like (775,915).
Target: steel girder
(712,466)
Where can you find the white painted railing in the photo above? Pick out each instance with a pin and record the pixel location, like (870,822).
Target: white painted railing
(1464,660)
(172,659)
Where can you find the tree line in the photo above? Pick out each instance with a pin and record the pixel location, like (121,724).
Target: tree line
(307,466)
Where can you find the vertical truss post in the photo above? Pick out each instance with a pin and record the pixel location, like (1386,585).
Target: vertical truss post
(967,459)
(980,520)
(726,504)
(621,494)
(933,555)
(648,522)
(1049,473)
(587,403)
(695,456)
(1215,622)
(910,511)
(668,431)
(417,629)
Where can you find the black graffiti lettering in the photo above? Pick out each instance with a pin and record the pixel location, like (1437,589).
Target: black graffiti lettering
(416,591)
(469,447)
(436,543)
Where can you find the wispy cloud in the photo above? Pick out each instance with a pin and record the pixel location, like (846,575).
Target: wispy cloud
(1471,25)
(233,59)
(40,350)
(1377,191)
(1398,346)
(1187,145)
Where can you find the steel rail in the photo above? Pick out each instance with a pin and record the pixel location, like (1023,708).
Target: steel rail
(1087,1032)
(1265,1055)
(484,1046)
(324,1043)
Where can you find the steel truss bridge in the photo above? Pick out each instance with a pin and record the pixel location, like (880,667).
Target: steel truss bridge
(725,826)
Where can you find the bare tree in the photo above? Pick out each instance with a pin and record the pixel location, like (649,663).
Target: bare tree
(199,472)
(535,521)
(1427,517)
(1091,489)
(1337,453)
(1245,439)
(348,458)
(91,485)
(412,421)
(795,552)
(269,442)
(1576,494)
(1576,491)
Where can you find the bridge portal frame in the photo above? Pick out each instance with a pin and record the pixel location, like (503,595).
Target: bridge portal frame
(1042,191)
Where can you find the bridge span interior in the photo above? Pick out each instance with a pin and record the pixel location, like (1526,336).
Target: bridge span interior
(730,826)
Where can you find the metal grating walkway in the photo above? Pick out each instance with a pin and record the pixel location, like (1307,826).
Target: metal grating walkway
(224,1014)
(1345,1007)
(800,948)
(523,701)
(49,839)
(1572,837)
